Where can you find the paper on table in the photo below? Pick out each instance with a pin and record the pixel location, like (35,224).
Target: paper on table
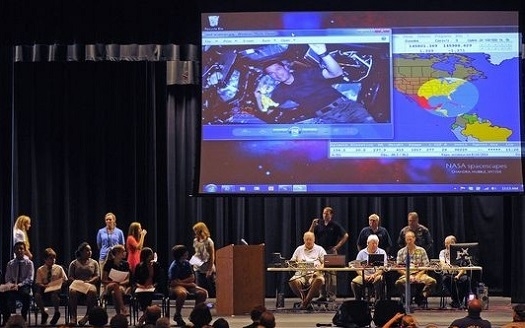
(118,276)
(145,290)
(54,286)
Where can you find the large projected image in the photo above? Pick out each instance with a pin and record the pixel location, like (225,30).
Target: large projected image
(330,103)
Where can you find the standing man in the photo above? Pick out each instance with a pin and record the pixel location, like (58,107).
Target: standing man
(423,237)
(374,228)
(331,236)
(473,319)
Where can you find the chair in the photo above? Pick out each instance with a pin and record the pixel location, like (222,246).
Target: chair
(64,302)
(82,300)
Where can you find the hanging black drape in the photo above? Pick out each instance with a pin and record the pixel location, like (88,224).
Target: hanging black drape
(95,136)
(86,142)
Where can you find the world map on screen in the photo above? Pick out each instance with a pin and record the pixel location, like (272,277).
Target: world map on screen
(456,97)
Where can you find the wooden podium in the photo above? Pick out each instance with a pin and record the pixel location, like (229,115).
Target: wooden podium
(240,281)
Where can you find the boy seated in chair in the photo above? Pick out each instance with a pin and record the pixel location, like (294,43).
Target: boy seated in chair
(182,282)
(49,276)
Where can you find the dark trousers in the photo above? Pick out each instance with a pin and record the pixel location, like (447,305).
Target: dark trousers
(207,283)
(458,289)
(23,294)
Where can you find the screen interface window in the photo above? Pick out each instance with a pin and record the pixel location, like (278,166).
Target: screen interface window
(369,102)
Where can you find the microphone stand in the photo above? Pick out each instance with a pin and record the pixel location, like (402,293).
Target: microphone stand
(407,284)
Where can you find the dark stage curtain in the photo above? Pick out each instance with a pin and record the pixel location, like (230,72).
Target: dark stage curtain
(87,140)
(97,137)
(117,133)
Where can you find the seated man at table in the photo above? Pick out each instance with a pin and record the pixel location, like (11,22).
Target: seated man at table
(418,258)
(456,282)
(372,275)
(306,282)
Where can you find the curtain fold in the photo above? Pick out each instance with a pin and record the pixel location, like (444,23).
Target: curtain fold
(92,137)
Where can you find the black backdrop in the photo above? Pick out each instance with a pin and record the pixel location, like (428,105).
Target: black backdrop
(79,139)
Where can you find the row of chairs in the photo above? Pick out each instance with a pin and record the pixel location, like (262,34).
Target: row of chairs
(105,300)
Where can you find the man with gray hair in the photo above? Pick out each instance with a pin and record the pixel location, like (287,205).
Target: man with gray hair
(371,275)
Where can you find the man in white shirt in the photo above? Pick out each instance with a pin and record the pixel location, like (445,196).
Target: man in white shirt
(307,282)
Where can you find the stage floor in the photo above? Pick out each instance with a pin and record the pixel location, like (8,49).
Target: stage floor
(498,313)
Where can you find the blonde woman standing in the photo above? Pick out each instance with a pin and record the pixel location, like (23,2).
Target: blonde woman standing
(22,225)
(205,251)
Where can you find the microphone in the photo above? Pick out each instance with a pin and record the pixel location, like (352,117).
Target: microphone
(244,242)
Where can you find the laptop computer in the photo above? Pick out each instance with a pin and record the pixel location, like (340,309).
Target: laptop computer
(376,259)
(334,261)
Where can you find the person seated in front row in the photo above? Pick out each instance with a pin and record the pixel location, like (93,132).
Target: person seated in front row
(181,279)
(456,282)
(117,286)
(85,271)
(307,283)
(418,258)
(371,275)
(49,275)
(148,276)
(19,276)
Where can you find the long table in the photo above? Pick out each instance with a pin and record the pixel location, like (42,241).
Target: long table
(361,269)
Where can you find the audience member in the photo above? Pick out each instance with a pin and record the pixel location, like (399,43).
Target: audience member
(418,257)
(255,315)
(134,244)
(204,250)
(163,322)
(153,313)
(98,317)
(456,282)
(22,225)
(267,320)
(117,288)
(307,279)
(518,317)
(49,275)
(372,275)
(473,319)
(16,321)
(84,270)
(330,235)
(119,321)
(220,323)
(182,282)
(108,237)
(374,228)
(148,280)
(19,276)
(200,316)
(401,320)
(423,236)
